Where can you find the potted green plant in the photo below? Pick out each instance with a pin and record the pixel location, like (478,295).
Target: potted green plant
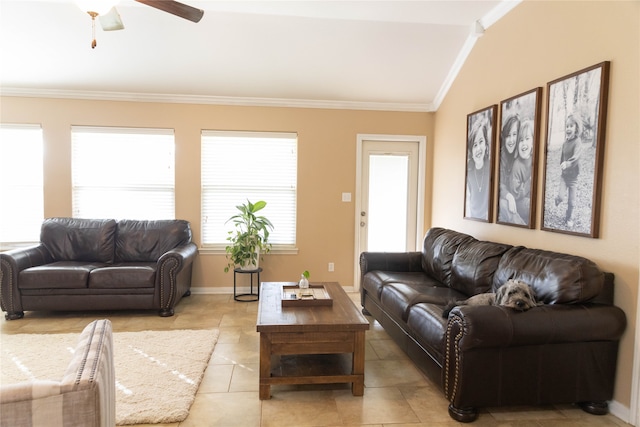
(250,237)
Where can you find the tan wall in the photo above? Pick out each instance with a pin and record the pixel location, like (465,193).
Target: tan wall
(326,168)
(535,43)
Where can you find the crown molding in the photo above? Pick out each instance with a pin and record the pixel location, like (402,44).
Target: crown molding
(498,12)
(215,100)
(477,30)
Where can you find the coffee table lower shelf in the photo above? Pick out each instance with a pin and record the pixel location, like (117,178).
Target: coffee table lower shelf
(311,369)
(321,362)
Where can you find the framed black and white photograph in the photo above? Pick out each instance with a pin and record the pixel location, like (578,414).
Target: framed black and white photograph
(574,150)
(481,127)
(518,159)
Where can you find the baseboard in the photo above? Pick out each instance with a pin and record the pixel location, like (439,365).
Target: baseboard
(228,290)
(618,410)
(207,290)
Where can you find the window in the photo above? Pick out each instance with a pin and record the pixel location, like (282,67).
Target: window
(240,166)
(123,173)
(21,177)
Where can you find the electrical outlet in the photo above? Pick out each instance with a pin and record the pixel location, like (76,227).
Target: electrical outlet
(331,266)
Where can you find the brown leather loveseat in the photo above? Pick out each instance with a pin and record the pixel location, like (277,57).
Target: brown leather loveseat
(564,351)
(99,264)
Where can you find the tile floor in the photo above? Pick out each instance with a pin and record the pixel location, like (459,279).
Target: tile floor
(396,392)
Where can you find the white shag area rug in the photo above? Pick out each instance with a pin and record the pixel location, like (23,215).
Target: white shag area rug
(157,372)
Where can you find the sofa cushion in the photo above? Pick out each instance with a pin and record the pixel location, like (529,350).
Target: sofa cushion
(77,239)
(439,247)
(473,266)
(146,241)
(398,298)
(374,281)
(556,278)
(57,275)
(123,276)
(428,327)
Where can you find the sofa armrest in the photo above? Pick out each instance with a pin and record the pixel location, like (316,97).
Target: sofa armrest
(174,273)
(18,403)
(11,264)
(495,356)
(22,258)
(25,392)
(84,397)
(473,327)
(390,261)
(184,254)
(89,383)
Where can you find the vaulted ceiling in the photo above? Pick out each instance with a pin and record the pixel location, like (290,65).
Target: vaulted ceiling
(369,54)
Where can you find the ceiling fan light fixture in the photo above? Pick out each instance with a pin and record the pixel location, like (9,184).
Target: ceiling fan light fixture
(95,8)
(98,7)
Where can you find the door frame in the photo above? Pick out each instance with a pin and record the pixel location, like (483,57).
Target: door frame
(634,416)
(422,160)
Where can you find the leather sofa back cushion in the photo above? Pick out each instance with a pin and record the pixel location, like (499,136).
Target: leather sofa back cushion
(473,266)
(146,241)
(438,249)
(556,278)
(77,239)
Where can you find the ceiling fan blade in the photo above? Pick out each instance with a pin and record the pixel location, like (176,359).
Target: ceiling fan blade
(176,8)
(111,20)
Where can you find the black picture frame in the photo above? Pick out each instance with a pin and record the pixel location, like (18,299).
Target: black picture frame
(574,151)
(478,195)
(518,138)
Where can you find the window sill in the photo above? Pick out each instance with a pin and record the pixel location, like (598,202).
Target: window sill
(276,250)
(7,246)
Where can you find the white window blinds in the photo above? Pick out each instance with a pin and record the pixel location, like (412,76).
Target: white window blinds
(241,166)
(123,173)
(21,177)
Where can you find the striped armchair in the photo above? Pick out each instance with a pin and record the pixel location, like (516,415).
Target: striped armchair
(85,396)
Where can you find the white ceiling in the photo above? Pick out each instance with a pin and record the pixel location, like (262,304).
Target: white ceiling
(370,54)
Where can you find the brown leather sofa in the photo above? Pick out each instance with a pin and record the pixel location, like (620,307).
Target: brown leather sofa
(564,351)
(99,264)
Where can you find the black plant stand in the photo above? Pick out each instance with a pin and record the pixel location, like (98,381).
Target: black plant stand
(251,296)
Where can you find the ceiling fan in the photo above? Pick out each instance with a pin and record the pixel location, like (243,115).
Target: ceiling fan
(110,19)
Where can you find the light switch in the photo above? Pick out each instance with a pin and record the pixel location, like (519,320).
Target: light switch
(346,197)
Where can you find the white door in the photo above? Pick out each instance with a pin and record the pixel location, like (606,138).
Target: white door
(389,194)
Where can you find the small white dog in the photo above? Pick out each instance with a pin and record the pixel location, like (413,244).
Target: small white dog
(513,294)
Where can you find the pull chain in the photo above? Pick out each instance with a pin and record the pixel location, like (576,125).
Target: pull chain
(93,29)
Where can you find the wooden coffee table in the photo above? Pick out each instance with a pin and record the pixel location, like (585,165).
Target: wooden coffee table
(320,330)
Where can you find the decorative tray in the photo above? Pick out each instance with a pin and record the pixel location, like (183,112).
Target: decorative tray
(315,295)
